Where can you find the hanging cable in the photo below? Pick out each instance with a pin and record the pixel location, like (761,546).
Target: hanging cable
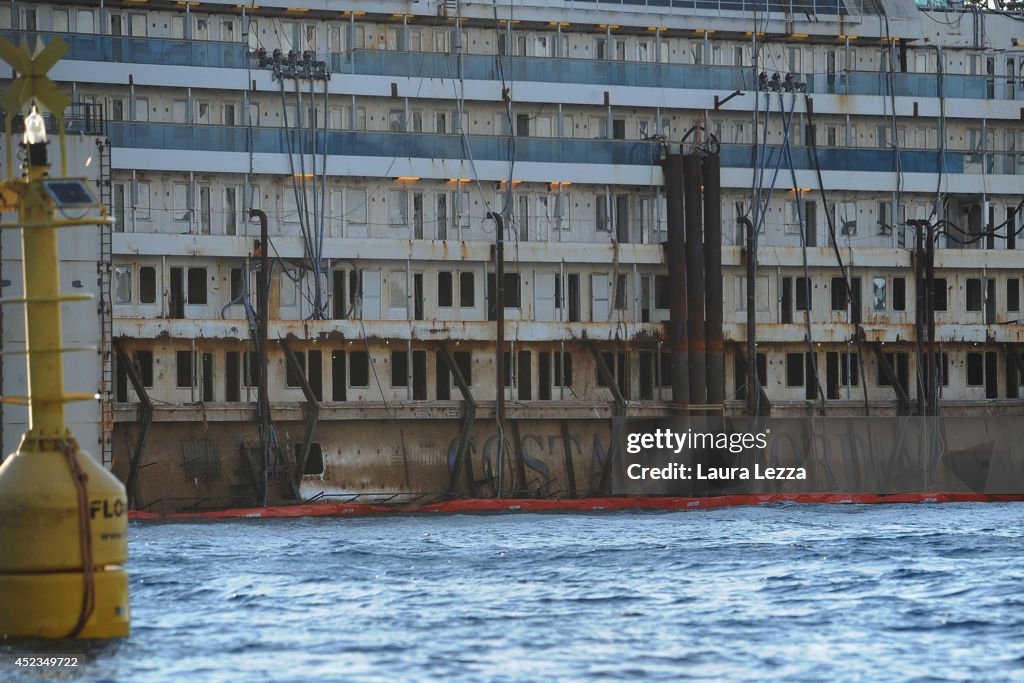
(835,246)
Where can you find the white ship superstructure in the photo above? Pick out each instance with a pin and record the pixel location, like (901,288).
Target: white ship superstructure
(377,136)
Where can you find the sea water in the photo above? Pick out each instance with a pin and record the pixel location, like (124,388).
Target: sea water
(785,592)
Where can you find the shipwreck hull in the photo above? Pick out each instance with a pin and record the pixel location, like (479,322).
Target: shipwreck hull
(216,465)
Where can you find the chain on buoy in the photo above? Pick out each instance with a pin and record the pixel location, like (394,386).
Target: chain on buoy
(63,517)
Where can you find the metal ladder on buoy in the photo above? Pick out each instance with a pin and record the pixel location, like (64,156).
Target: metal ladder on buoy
(104,268)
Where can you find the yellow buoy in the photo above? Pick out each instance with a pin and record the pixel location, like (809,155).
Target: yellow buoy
(63,517)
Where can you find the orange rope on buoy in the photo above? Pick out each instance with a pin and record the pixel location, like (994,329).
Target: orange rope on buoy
(84,538)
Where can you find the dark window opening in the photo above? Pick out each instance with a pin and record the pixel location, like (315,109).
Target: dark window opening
(417,296)
(147,285)
(787,300)
(665,379)
(563,369)
(293,375)
(900,365)
(841,298)
(939,297)
(975,370)
(464,362)
(252,369)
(315,374)
(444,290)
(232,381)
(838,294)
(620,293)
(661,296)
(183,367)
(849,369)
(544,379)
(235,284)
(176,298)
(899,294)
(523,125)
(574,297)
(512,293)
(1013,294)
(646,376)
(942,362)
(1011,220)
(973,294)
(355,287)
(442,377)
(842,370)
(990,301)
(121,395)
(339,303)
(359,369)
(399,369)
(338,386)
(991,384)
(740,373)
(616,364)
(794,369)
(197,286)
(467,290)
(811,373)
(419,375)
(803,293)
(525,376)
(207,378)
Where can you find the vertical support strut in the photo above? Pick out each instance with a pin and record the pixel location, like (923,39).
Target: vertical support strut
(693,212)
(920,314)
(675,259)
(753,386)
(499,340)
(263,311)
(713,301)
(931,365)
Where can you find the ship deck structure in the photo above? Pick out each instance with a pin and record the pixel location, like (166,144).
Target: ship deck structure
(859,162)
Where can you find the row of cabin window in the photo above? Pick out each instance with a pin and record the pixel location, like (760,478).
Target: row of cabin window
(189,286)
(798,293)
(533,214)
(511,41)
(562,125)
(248,374)
(352,369)
(630,217)
(303,36)
(842,371)
(800,370)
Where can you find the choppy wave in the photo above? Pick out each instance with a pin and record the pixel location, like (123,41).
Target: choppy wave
(781,592)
